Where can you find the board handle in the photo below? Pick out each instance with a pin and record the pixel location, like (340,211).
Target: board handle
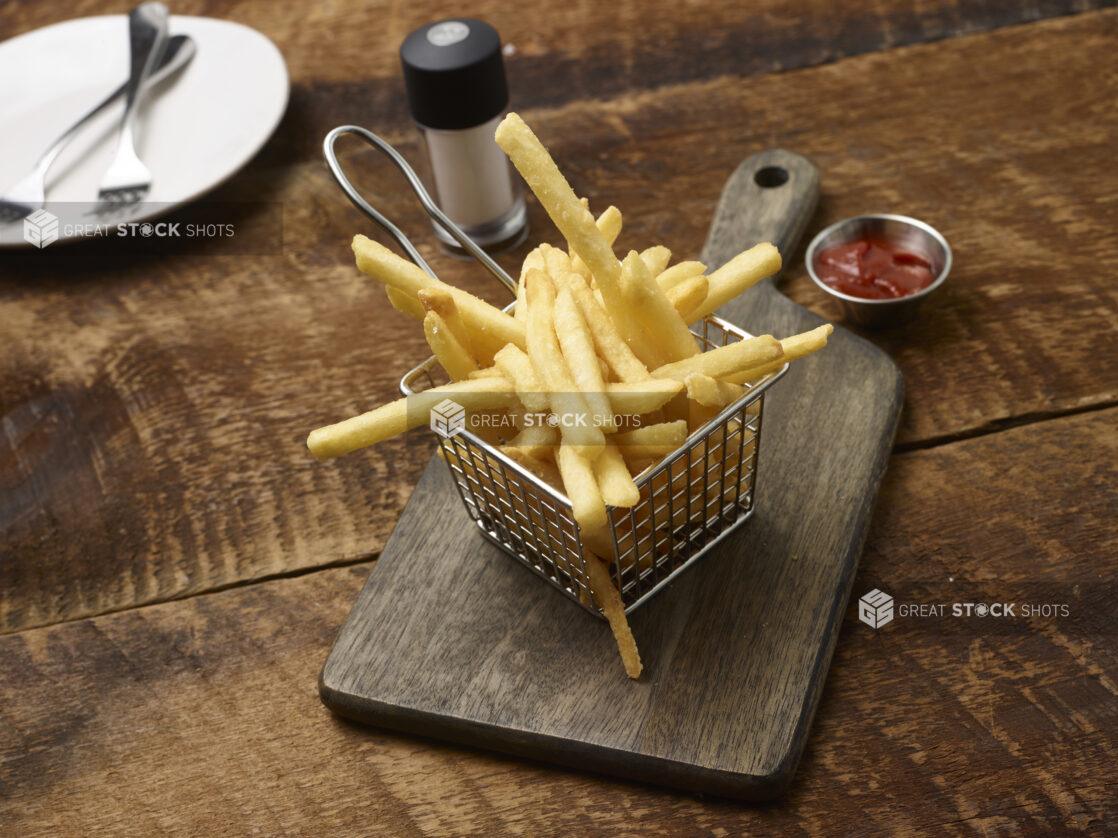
(770,197)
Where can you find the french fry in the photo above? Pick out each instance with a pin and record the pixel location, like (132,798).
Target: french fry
(609,598)
(645,343)
(536,441)
(656,258)
(598,540)
(377,261)
(609,223)
(542,468)
(744,270)
(517,367)
(404,303)
(578,351)
(534,259)
(699,414)
(671,277)
(611,346)
(614,480)
(574,220)
(490,327)
(557,262)
(710,392)
(580,486)
(724,360)
(796,346)
(440,301)
(404,414)
(453,356)
(688,294)
(672,339)
(487,372)
(652,440)
(567,402)
(636,398)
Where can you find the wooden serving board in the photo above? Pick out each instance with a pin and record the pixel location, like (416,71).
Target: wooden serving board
(452,639)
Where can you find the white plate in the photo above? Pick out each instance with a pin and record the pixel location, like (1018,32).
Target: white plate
(203,125)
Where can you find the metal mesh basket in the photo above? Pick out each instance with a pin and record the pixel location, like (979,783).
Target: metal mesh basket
(689,500)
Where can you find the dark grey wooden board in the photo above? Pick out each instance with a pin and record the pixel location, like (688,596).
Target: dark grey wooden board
(452,639)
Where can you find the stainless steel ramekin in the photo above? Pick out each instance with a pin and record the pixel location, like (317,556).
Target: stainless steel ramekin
(901,230)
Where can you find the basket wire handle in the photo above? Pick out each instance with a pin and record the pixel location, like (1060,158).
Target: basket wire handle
(420,192)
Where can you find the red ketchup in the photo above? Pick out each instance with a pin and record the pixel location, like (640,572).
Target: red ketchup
(873,269)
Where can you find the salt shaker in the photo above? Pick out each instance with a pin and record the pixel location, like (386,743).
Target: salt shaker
(457,92)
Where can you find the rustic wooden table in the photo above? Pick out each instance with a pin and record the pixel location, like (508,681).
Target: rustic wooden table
(174,566)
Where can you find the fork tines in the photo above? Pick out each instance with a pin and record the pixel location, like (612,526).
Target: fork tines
(112,201)
(13,211)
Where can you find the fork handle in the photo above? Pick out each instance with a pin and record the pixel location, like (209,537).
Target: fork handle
(147,33)
(179,50)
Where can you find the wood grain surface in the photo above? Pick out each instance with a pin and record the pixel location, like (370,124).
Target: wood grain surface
(202,716)
(154,409)
(581,50)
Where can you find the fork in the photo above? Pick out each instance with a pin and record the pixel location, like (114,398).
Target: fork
(29,194)
(127,180)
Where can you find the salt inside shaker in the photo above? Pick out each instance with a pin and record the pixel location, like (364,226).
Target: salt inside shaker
(457,92)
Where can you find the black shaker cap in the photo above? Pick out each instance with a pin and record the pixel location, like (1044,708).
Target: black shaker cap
(454,73)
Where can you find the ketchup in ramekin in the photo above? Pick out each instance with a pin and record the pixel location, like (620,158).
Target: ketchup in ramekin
(879,267)
(873,268)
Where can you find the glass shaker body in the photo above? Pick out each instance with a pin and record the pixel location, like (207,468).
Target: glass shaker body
(475,185)
(454,74)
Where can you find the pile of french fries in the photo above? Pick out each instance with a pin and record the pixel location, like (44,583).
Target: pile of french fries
(590,336)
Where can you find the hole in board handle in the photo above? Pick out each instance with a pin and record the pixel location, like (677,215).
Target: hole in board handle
(770,177)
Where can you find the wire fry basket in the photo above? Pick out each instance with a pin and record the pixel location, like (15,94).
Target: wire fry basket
(689,500)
